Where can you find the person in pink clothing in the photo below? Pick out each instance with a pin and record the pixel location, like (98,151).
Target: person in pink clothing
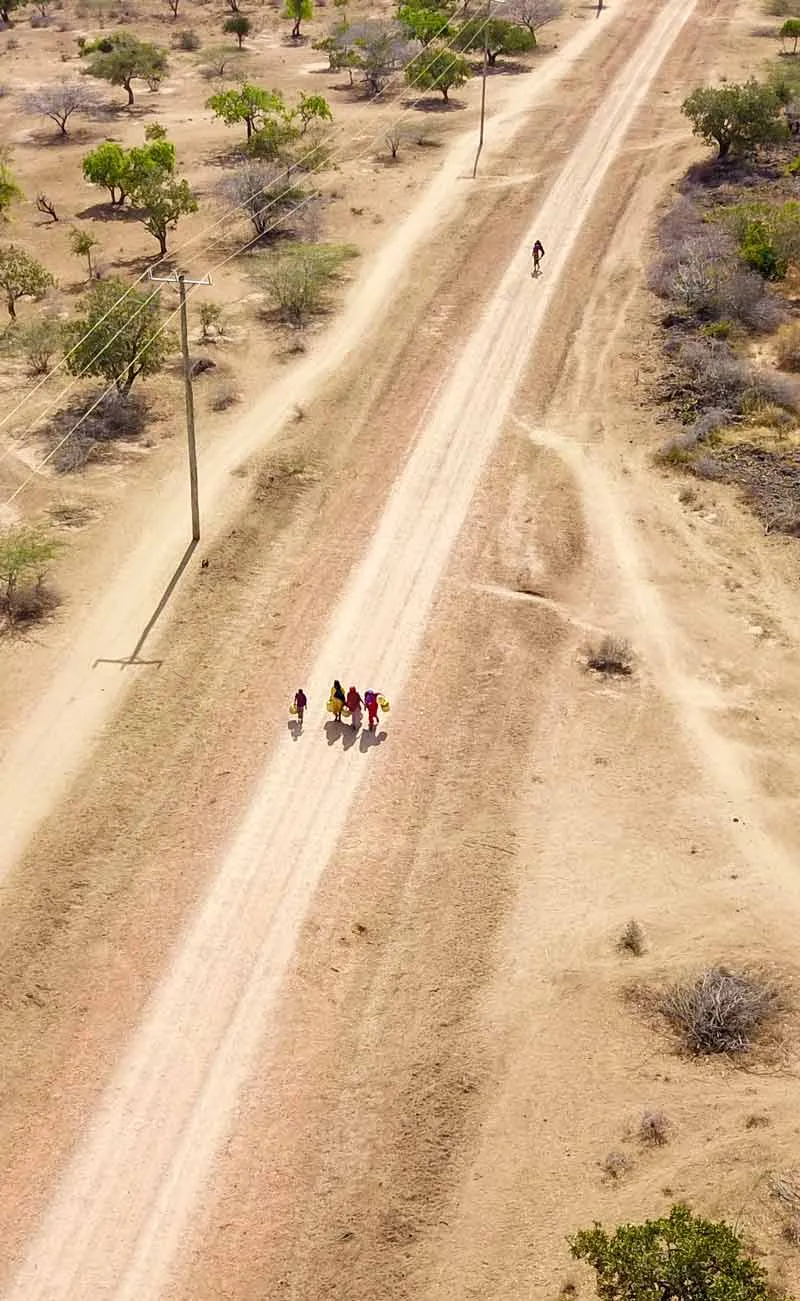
(354,703)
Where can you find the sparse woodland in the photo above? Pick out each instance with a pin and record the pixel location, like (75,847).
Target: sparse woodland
(196,134)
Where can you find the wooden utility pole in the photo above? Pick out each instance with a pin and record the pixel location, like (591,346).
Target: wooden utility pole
(194,492)
(483,86)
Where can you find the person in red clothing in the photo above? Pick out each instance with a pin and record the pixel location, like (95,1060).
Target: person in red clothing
(354,703)
(300,703)
(371,702)
(537,253)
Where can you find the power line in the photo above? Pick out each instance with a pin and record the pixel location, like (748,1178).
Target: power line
(237,252)
(242,205)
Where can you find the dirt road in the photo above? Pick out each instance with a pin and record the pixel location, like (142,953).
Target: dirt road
(91,680)
(122,1208)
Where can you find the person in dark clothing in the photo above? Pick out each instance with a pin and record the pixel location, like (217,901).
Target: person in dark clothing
(300,703)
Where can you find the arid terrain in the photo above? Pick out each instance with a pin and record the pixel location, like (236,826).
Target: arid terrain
(329,1014)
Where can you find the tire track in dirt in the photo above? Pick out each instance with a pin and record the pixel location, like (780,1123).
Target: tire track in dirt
(123,1204)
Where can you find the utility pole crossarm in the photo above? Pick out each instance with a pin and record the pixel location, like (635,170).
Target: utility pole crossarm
(177,278)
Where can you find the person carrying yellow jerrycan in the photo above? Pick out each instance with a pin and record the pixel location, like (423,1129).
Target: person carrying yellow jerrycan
(337,701)
(373,700)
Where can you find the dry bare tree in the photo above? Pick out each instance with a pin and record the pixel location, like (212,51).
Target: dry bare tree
(61,101)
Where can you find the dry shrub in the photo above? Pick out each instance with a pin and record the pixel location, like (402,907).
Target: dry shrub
(791,1231)
(632,939)
(714,374)
(721,1011)
(615,1165)
(71,515)
(224,397)
(186,40)
(699,270)
(654,1129)
(709,469)
(710,422)
(787,346)
(612,656)
(756,1121)
(33,602)
(77,432)
(786,1189)
(73,454)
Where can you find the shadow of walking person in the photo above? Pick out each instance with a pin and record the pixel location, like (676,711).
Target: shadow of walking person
(370,739)
(349,734)
(334,730)
(296,728)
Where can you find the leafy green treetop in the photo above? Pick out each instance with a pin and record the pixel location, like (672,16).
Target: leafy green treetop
(24,553)
(312,108)
(679,1258)
(120,170)
(249,104)
(737,118)
(9,190)
(238,25)
(123,58)
(437,69)
(423,23)
(163,200)
(119,335)
(299,11)
(500,36)
(21,276)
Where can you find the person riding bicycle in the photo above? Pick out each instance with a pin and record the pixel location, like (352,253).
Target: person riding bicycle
(537,253)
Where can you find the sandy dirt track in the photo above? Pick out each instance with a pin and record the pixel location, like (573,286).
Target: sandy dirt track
(121,1209)
(72,711)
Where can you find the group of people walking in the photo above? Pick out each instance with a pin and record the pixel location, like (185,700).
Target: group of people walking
(348,702)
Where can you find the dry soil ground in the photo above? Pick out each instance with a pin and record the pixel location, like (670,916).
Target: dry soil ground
(320,1016)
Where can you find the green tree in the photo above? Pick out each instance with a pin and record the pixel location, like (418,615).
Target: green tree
(152,161)
(162,201)
(297,280)
(339,47)
(107,166)
(21,276)
(437,69)
(7,8)
(379,49)
(768,235)
(423,23)
(737,118)
(273,137)
(499,35)
(790,32)
(312,108)
(249,104)
(118,336)
(24,555)
(38,339)
(123,58)
(680,1258)
(81,243)
(239,26)
(298,11)
(9,190)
